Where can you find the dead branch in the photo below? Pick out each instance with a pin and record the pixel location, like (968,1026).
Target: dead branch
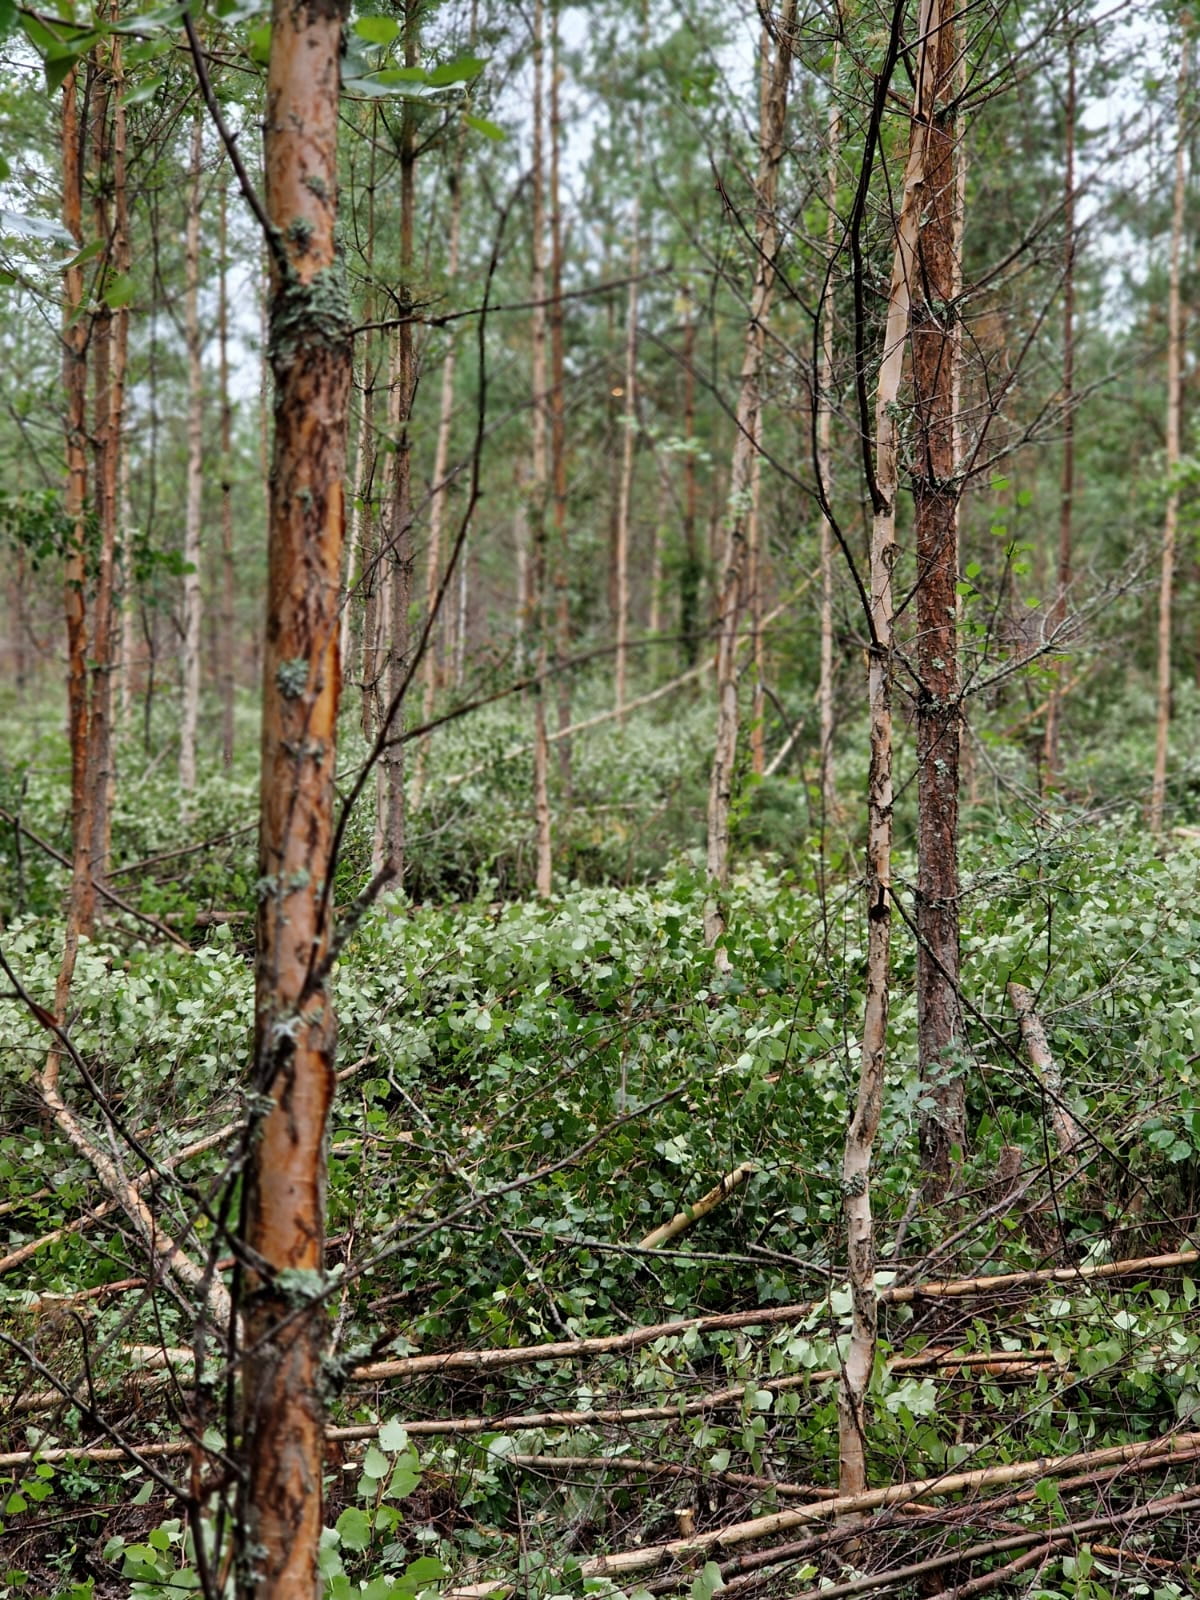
(762,1317)
(647,1558)
(1037,1047)
(706,1203)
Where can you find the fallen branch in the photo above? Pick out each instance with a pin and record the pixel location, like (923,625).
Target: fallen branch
(761,1317)
(649,1557)
(98,884)
(1037,1047)
(158,1359)
(706,1203)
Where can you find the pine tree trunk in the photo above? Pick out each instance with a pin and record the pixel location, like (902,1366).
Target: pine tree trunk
(283,1221)
(1158,792)
(192,620)
(935,359)
(731,603)
(860,1137)
(228,674)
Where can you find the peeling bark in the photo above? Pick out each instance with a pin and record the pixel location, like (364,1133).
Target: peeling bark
(860,1137)
(283,1219)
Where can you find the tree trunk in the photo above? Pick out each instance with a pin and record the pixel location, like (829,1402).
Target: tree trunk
(283,1220)
(227,670)
(935,358)
(733,576)
(558,425)
(439,493)
(110,337)
(1066,500)
(81,904)
(1158,792)
(539,487)
(825,459)
(629,407)
(399,540)
(860,1138)
(691,567)
(754,581)
(190,713)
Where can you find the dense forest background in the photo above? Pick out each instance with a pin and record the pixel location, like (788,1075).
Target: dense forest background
(598,799)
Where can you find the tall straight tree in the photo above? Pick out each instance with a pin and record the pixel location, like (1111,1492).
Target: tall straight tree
(190,715)
(884,483)
(732,597)
(936,353)
(283,1208)
(390,847)
(227,669)
(1158,791)
(1066,498)
(540,479)
(825,451)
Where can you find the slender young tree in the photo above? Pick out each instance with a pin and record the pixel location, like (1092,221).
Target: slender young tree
(936,352)
(192,618)
(1158,791)
(540,478)
(283,1214)
(558,418)
(1066,497)
(732,597)
(400,514)
(884,488)
(825,450)
(629,405)
(226,668)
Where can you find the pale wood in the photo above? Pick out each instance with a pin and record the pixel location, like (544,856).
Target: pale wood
(1037,1047)
(701,1208)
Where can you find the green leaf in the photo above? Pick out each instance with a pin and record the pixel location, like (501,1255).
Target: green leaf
(377,30)
(8,17)
(482,125)
(707,1581)
(459,71)
(375,1464)
(119,292)
(354,1528)
(393,1435)
(258,44)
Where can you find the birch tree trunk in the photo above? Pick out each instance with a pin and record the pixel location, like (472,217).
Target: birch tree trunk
(1158,791)
(936,352)
(860,1138)
(733,576)
(195,470)
(283,1217)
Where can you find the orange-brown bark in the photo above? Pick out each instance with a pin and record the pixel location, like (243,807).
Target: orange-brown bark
(293,1078)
